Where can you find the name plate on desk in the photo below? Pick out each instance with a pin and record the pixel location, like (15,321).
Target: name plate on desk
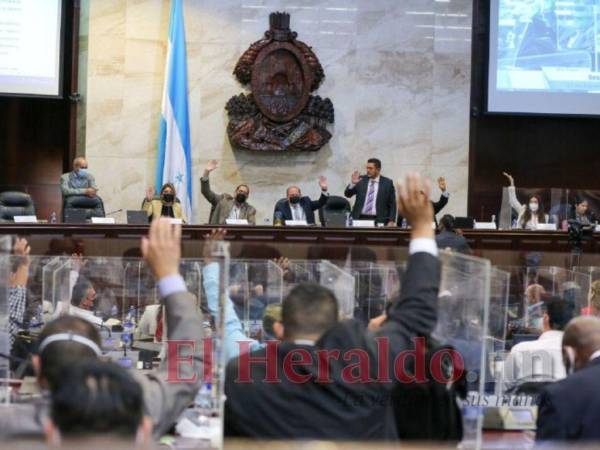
(103,220)
(546,227)
(485,226)
(236,221)
(296,223)
(597,229)
(25,219)
(176,222)
(363,223)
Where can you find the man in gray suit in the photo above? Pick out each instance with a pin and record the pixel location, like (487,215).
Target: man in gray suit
(79,181)
(68,341)
(225,206)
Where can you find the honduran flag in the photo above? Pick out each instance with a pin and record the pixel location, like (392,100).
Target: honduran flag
(174,163)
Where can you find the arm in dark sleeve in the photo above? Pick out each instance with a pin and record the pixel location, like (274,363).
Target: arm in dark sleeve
(550,425)
(318,204)
(415,312)
(208,194)
(251,215)
(440,204)
(392,204)
(350,191)
(165,399)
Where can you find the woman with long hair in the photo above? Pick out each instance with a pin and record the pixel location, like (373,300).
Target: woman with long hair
(165,206)
(529,215)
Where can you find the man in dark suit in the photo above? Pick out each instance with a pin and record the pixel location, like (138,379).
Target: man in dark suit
(298,207)
(569,410)
(449,238)
(375,195)
(311,386)
(437,206)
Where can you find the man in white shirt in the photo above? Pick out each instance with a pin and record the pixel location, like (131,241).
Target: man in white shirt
(542,358)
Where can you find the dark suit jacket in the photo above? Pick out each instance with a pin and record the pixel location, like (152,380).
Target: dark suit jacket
(340,409)
(308,205)
(569,409)
(437,207)
(454,241)
(385,204)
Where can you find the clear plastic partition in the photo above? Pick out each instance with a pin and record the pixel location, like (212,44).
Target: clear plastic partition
(463,314)
(497,329)
(342,285)
(5,243)
(553,202)
(568,285)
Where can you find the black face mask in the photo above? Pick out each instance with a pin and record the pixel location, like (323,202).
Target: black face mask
(295,200)
(168,198)
(241,197)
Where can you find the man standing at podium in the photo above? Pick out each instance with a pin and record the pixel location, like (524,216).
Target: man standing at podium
(79,181)
(375,195)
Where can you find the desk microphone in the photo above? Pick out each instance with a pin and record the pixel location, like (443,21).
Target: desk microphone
(113,212)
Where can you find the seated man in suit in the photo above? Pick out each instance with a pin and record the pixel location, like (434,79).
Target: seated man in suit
(437,206)
(224,206)
(79,181)
(318,393)
(375,195)
(298,207)
(449,239)
(569,409)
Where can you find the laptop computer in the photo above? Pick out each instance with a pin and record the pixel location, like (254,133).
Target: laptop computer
(137,217)
(75,215)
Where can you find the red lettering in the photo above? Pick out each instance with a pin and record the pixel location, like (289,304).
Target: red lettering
(458,365)
(418,355)
(362,365)
(245,361)
(324,356)
(290,361)
(174,361)
(383,362)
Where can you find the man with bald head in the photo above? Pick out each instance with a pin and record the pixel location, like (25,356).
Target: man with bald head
(79,181)
(569,410)
(298,207)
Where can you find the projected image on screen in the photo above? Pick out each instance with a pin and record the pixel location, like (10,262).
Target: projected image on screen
(30,32)
(545,46)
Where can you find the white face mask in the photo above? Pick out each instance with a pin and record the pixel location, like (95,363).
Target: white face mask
(534,207)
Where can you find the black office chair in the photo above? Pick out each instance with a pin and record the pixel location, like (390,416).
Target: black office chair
(335,211)
(93,206)
(13,203)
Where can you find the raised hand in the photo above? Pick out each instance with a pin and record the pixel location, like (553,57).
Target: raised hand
(355,177)
(323,183)
(511,180)
(212,165)
(162,248)
(22,250)
(414,205)
(209,240)
(442,184)
(150,194)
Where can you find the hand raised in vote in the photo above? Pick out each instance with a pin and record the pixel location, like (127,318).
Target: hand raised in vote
(212,165)
(21,249)
(323,183)
(209,242)
(442,184)
(355,177)
(150,194)
(415,206)
(511,180)
(162,248)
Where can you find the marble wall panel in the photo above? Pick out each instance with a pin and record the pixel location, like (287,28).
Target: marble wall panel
(399,85)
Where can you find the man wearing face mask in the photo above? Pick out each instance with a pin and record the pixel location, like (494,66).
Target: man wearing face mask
(78,182)
(542,357)
(224,206)
(298,207)
(569,410)
(83,300)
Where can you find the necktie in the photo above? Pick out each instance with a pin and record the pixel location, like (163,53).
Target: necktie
(370,198)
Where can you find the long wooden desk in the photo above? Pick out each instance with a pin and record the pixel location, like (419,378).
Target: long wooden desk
(502,247)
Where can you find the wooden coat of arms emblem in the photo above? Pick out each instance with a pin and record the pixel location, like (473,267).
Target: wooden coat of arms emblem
(280,113)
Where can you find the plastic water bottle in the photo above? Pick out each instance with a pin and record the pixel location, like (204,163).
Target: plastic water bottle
(39,316)
(53,217)
(348,219)
(203,403)
(513,224)
(114,311)
(278,219)
(128,328)
(470,416)
(404,225)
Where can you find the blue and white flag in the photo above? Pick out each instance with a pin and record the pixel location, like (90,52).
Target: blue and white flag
(174,163)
